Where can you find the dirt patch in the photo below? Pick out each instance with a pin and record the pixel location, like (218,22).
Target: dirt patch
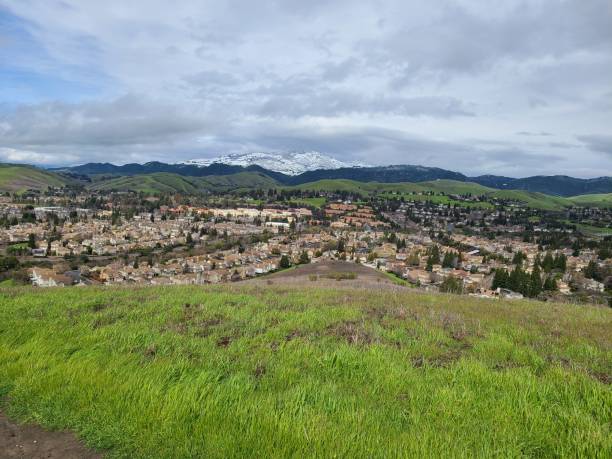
(353,332)
(328,273)
(33,442)
(444,360)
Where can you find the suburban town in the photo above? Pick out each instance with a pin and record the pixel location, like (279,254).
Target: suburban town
(435,247)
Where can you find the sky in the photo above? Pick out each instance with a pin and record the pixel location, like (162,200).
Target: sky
(514,88)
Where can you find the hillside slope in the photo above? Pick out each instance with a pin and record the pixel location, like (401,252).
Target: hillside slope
(18,178)
(164,182)
(265,371)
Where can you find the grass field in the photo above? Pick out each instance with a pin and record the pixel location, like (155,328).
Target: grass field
(267,371)
(313,202)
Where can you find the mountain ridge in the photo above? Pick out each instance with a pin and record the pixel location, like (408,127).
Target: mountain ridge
(288,163)
(556,185)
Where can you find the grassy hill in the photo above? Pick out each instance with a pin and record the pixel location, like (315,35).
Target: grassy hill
(457,187)
(593,200)
(536,200)
(162,182)
(353,186)
(532,199)
(264,371)
(18,178)
(165,182)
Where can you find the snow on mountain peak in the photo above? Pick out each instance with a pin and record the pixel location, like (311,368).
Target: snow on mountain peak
(289,163)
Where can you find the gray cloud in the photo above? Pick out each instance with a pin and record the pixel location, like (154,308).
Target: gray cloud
(126,120)
(473,86)
(598,143)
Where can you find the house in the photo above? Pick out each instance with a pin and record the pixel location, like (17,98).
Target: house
(42,277)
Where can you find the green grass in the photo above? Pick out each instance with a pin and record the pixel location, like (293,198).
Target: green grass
(397,280)
(262,371)
(313,202)
(16,178)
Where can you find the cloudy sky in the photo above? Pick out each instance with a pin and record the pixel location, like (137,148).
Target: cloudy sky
(509,87)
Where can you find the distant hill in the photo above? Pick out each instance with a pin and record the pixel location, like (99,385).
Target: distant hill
(553,185)
(560,185)
(19,178)
(532,199)
(593,200)
(164,182)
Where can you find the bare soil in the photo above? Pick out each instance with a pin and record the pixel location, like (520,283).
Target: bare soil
(27,441)
(324,273)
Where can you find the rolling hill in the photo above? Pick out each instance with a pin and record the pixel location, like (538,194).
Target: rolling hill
(553,185)
(164,182)
(532,199)
(593,200)
(19,178)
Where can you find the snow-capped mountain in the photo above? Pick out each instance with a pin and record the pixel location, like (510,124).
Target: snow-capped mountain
(290,163)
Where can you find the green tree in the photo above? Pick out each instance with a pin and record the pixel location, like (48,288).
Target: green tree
(430,264)
(548,263)
(535,282)
(304,259)
(284,262)
(449,260)
(451,285)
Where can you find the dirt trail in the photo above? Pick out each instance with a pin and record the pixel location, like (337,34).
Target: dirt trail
(33,442)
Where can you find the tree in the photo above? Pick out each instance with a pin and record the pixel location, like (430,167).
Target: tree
(550,284)
(548,262)
(284,262)
(560,263)
(451,285)
(518,258)
(434,254)
(32,241)
(430,264)
(500,279)
(304,259)
(535,282)
(340,247)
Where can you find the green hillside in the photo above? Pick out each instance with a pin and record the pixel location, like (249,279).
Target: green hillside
(353,186)
(535,200)
(593,200)
(457,187)
(161,182)
(165,182)
(264,371)
(532,199)
(241,180)
(17,178)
